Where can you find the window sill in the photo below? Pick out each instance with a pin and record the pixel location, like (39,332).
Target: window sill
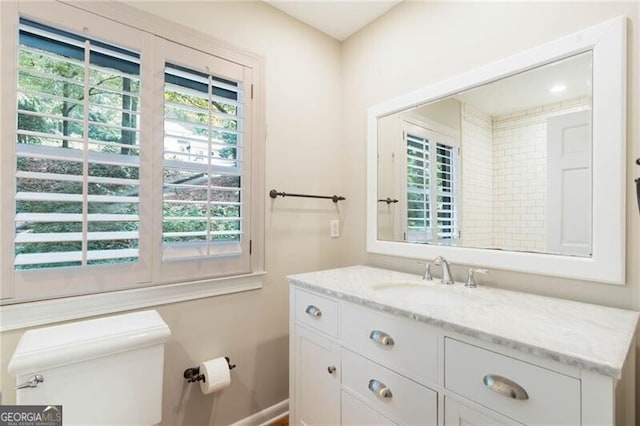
(15,317)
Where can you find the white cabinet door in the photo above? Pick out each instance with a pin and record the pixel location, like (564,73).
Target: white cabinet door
(458,414)
(317,379)
(355,412)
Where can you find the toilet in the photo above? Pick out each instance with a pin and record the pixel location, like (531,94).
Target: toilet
(105,371)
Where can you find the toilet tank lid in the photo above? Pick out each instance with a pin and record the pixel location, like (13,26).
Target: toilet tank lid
(59,345)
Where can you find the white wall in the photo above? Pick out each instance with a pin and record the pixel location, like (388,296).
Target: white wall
(476,137)
(520,174)
(303,96)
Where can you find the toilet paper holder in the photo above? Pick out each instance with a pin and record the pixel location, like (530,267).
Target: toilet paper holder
(192,374)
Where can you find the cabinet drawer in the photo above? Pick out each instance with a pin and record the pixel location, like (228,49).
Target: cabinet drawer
(355,412)
(317,312)
(457,414)
(413,350)
(551,398)
(406,401)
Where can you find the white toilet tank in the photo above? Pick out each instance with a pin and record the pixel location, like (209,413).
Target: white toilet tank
(105,371)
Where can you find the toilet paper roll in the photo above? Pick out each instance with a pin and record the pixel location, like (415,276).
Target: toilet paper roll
(216,373)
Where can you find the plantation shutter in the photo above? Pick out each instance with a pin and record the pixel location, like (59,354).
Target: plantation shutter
(446,157)
(206,163)
(431,170)
(78,150)
(418,189)
(128,161)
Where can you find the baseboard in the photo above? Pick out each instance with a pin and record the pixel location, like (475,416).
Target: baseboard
(266,416)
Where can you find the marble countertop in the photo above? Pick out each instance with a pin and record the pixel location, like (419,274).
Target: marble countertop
(586,336)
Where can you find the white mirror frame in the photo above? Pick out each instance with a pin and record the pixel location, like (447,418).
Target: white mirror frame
(607,263)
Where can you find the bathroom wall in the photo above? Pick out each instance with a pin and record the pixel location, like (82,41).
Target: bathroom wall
(476,137)
(520,180)
(303,96)
(420,43)
(504,175)
(520,174)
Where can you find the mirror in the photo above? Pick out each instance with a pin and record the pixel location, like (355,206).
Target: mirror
(517,165)
(506,165)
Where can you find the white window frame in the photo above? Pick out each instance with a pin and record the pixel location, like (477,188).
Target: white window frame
(123,22)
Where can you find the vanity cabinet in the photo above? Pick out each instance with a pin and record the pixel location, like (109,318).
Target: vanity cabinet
(356,364)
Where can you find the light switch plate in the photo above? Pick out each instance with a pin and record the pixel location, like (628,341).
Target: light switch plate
(334,228)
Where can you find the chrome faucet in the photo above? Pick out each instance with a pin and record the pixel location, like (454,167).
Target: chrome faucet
(471,281)
(427,272)
(446,272)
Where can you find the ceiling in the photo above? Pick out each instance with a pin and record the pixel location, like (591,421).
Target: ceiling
(337,18)
(532,88)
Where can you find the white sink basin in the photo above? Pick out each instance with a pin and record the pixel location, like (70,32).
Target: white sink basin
(417,293)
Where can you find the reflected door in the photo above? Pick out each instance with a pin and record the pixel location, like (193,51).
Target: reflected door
(569,187)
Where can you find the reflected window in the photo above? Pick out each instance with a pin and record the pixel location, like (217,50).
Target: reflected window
(431,190)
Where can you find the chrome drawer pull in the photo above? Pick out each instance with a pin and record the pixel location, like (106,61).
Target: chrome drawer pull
(382,338)
(313,311)
(505,387)
(379,389)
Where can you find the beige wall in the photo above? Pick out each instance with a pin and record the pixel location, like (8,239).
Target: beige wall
(303,135)
(446,111)
(420,43)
